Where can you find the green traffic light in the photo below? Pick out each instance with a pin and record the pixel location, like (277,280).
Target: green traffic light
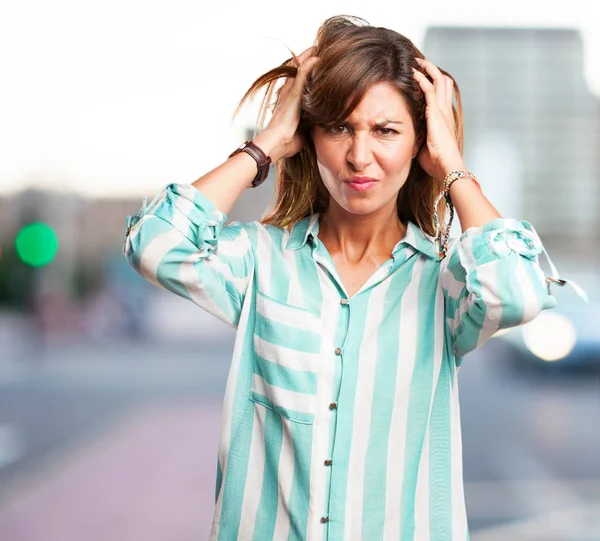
(36,244)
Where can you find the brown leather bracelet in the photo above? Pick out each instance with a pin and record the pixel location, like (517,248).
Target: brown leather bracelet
(263,161)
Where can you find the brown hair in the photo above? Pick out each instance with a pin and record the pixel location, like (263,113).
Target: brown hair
(354,56)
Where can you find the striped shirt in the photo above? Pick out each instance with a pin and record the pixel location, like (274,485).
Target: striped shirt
(341,415)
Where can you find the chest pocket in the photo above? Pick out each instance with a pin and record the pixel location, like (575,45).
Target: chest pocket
(287,342)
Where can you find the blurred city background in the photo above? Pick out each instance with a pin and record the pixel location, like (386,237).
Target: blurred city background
(111,388)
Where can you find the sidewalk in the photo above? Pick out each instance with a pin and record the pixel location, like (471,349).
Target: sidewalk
(151,477)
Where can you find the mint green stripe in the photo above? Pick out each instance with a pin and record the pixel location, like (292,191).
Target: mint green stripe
(308,272)
(266,516)
(292,415)
(419,398)
(213,283)
(298,381)
(302,437)
(281,334)
(374,495)
(242,424)
(280,272)
(345,411)
(440,464)
(467,333)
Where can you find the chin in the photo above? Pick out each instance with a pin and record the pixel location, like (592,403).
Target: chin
(361,206)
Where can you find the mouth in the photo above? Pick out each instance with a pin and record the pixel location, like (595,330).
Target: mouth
(361,184)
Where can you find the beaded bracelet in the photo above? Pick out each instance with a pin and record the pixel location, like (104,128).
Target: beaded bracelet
(441,235)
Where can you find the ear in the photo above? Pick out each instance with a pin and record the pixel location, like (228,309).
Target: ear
(417,146)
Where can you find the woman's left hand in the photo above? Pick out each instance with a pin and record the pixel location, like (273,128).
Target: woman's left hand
(440,153)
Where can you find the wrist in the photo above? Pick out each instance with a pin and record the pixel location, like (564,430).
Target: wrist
(455,165)
(270,143)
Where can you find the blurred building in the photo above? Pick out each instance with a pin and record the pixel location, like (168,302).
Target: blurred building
(532,127)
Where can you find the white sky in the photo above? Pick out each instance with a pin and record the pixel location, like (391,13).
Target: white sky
(123,96)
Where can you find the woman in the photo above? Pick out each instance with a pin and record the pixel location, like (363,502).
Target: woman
(353,313)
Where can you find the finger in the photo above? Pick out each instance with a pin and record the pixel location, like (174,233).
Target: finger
(449,91)
(448,113)
(427,88)
(299,60)
(303,72)
(439,80)
(302,56)
(307,53)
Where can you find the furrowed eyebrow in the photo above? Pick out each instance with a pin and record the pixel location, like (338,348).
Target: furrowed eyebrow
(381,124)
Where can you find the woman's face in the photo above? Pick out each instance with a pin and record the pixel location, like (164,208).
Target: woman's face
(374,146)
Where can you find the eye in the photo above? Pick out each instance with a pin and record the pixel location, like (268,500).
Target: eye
(336,130)
(387,131)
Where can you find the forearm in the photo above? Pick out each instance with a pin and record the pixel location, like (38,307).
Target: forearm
(224,184)
(471,206)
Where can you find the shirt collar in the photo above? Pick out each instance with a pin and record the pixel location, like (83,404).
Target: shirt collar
(309,227)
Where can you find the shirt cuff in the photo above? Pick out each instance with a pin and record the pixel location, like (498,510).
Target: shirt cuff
(188,210)
(498,239)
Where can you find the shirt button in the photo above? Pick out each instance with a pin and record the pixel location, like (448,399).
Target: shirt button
(328,462)
(324,519)
(333,405)
(338,351)
(343,301)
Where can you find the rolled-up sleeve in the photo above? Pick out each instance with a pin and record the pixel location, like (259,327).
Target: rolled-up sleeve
(492,280)
(179,242)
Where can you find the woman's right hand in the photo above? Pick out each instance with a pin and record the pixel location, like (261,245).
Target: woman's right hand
(281,138)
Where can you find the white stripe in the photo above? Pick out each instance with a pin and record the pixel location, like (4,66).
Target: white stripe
(292,316)
(322,425)
(263,257)
(363,402)
(237,247)
(449,282)
(422,496)
(254,478)
(228,410)
(155,251)
(218,266)
(488,278)
(531,300)
(151,259)
(463,307)
(438,341)
(180,217)
(284,398)
(407,344)
(285,477)
(297,288)
(290,358)
(188,276)
(466,256)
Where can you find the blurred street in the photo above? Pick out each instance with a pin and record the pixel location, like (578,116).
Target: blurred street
(111,388)
(119,442)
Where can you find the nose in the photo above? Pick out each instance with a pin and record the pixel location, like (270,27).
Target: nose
(359,153)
